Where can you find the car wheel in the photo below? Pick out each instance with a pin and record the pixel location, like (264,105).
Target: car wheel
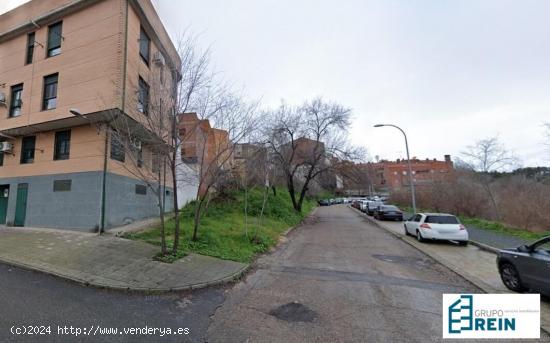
(510,277)
(463,243)
(419,236)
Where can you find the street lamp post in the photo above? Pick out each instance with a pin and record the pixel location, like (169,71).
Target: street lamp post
(408,163)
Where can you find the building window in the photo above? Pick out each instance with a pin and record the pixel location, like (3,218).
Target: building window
(155,162)
(143,96)
(62,145)
(1,159)
(54,39)
(16,102)
(62,185)
(117,148)
(141,189)
(144,46)
(140,157)
(30,48)
(49,101)
(27,149)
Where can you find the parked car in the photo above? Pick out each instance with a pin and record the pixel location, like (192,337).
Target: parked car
(388,212)
(436,226)
(323,202)
(526,267)
(363,205)
(357,203)
(372,206)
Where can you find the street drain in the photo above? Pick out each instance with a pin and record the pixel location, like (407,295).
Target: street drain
(294,312)
(421,262)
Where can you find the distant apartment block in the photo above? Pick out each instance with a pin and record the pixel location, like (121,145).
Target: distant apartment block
(204,148)
(386,176)
(58,58)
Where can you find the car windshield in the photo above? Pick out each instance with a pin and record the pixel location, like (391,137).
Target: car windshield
(441,220)
(390,208)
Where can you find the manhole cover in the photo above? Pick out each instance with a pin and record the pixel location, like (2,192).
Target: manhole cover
(294,312)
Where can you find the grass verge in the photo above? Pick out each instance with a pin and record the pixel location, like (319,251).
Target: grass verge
(222,233)
(502,228)
(494,226)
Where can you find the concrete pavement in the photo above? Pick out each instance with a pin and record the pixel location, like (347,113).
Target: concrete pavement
(475,264)
(338,279)
(110,262)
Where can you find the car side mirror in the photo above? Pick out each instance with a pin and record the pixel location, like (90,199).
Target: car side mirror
(526,248)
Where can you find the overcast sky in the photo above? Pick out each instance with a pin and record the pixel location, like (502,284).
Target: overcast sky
(448,72)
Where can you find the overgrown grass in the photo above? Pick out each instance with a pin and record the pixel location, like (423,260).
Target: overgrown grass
(222,233)
(490,225)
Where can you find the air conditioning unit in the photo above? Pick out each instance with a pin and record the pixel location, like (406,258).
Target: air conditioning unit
(136,144)
(158,59)
(2,98)
(6,147)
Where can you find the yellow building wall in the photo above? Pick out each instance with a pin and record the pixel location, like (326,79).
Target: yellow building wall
(86,154)
(89,66)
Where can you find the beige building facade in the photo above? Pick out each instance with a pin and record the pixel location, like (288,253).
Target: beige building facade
(71,71)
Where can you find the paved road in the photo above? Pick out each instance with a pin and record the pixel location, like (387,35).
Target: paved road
(30,298)
(339,278)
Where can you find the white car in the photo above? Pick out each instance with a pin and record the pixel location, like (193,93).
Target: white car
(436,226)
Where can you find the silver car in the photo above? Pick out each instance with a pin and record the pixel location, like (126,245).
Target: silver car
(526,267)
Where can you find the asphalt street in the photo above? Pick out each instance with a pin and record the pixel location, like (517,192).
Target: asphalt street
(339,279)
(37,300)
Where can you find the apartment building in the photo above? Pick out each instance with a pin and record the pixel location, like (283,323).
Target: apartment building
(394,174)
(70,71)
(204,148)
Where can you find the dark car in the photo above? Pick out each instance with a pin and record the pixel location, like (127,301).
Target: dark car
(388,212)
(323,202)
(526,267)
(372,206)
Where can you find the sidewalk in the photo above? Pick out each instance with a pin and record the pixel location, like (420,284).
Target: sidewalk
(110,262)
(474,264)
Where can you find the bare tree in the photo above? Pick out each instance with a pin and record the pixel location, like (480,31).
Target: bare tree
(232,119)
(307,141)
(169,90)
(486,156)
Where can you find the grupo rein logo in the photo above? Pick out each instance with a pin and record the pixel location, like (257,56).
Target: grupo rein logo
(491,316)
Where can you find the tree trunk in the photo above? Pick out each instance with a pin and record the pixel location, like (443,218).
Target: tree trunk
(264,201)
(291,192)
(161,215)
(175,190)
(176,214)
(197,220)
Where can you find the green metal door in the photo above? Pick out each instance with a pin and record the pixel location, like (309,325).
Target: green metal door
(4,194)
(21,204)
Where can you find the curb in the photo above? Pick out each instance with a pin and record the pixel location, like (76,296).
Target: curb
(90,282)
(474,280)
(282,238)
(85,282)
(485,247)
